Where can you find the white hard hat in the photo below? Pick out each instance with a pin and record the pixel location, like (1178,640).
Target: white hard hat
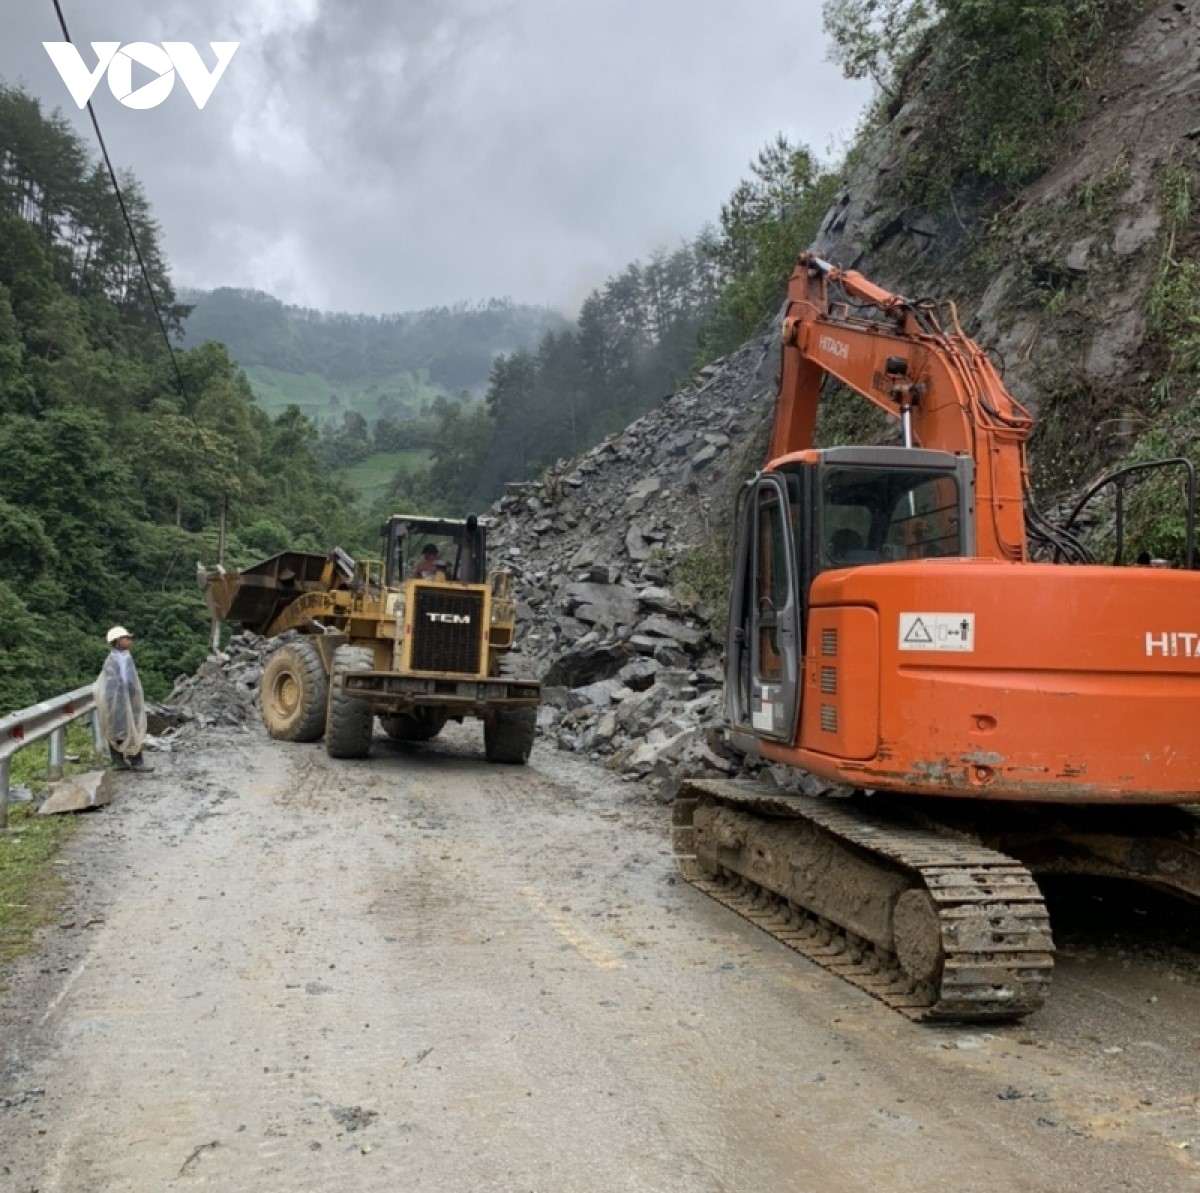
(118,631)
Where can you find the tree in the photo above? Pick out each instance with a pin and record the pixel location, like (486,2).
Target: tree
(874,39)
(510,402)
(460,454)
(768,220)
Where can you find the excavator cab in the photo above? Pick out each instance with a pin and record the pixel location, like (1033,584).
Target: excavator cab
(884,512)
(820,512)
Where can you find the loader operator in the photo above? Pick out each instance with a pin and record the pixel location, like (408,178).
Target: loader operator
(121,704)
(428,566)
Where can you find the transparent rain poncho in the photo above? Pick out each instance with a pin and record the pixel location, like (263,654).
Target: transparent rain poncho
(121,705)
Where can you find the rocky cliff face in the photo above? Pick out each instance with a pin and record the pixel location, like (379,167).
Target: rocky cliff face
(1058,283)
(1058,280)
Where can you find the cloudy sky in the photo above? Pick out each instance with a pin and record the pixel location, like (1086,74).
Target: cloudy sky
(381,155)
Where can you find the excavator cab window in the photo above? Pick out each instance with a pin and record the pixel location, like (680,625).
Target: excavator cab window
(881,515)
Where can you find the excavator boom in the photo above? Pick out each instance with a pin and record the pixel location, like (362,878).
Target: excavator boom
(895,354)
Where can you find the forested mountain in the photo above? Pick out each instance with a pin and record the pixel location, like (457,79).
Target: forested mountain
(113,468)
(350,372)
(454,346)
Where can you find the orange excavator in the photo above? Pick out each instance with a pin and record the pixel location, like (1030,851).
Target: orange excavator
(963,719)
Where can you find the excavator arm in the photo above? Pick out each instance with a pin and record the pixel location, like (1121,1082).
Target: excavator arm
(940,384)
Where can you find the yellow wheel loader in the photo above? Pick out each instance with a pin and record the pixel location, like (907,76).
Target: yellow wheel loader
(416,639)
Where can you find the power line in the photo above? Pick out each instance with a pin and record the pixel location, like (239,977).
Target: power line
(62,20)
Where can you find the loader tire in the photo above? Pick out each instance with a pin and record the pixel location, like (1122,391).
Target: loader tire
(508,735)
(293,693)
(424,725)
(349,723)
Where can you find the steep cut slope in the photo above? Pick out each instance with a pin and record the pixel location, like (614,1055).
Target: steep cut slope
(1061,280)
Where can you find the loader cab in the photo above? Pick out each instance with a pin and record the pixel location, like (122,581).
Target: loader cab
(461,549)
(816,512)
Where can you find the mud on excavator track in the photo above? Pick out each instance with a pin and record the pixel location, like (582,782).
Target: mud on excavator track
(935,927)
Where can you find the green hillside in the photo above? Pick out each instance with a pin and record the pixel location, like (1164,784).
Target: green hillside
(379,366)
(397,395)
(371,479)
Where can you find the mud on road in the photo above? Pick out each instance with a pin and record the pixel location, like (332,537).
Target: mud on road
(420,972)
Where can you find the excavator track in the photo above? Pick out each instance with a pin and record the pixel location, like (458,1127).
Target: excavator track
(936,928)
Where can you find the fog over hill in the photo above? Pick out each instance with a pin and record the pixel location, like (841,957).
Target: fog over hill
(380,366)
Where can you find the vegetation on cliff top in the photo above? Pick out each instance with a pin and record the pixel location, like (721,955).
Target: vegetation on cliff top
(1000,80)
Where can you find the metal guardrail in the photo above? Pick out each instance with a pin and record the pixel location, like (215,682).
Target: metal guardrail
(49,719)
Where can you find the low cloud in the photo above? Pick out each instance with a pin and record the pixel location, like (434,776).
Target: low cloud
(370,155)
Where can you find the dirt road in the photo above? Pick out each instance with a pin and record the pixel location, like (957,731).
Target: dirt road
(422,973)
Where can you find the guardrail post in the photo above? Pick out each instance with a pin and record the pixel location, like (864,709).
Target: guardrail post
(3,794)
(58,754)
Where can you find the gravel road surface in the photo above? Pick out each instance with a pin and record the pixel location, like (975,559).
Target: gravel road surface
(423,973)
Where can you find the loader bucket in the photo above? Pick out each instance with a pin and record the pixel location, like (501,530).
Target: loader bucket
(254,596)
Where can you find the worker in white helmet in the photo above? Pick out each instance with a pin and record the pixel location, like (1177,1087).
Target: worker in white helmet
(121,705)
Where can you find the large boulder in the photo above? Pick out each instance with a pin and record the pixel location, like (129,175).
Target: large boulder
(78,793)
(608,605)
(584,665)
(659,626)
(637,543)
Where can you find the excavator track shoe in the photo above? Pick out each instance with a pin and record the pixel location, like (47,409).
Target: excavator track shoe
(936,928)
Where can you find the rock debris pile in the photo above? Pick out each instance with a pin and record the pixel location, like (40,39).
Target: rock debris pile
(224,689)
(629,655)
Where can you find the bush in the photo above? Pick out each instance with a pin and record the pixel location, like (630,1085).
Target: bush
(702,574)
(1156,508)
(266,537)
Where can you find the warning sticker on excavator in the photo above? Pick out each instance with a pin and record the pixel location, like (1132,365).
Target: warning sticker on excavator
(937,631)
